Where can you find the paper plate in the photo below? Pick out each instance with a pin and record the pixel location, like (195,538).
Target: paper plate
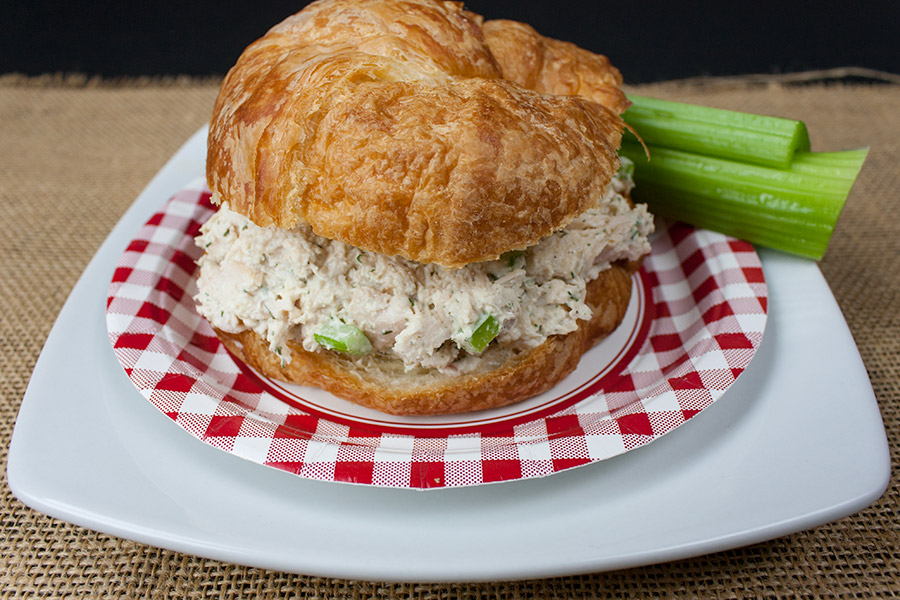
(696,318)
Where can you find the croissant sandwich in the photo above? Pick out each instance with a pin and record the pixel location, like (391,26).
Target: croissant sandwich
(418,210)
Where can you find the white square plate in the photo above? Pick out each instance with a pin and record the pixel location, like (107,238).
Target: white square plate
(796,442)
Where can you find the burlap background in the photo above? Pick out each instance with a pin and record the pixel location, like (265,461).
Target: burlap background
(74,154)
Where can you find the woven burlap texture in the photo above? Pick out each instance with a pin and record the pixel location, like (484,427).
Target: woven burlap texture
(75,154)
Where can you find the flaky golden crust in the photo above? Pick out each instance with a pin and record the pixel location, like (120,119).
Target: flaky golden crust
(503,378)
(388,125)
(553,66)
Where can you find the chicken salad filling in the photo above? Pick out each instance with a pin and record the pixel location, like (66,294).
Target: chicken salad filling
(330,296)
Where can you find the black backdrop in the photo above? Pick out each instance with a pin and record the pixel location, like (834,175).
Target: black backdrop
(648,41)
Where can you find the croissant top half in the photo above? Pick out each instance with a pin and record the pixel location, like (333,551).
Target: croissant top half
(413,128)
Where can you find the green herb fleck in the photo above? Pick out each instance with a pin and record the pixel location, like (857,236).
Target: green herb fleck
(512,257)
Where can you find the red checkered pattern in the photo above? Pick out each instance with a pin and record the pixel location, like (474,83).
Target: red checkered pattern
(708,312)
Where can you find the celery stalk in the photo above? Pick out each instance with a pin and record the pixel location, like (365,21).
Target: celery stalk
(743,137)
(793,209)
(807,240)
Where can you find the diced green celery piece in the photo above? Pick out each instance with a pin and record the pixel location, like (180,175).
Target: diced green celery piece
(734,135)
(793,210)
(484,331)
(343,337)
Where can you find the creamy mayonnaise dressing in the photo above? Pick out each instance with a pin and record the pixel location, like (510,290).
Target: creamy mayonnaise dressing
(285,284)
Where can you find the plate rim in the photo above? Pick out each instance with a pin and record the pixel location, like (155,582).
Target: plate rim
(697,287)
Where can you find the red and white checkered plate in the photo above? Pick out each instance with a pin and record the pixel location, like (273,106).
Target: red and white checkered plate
(696,318)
